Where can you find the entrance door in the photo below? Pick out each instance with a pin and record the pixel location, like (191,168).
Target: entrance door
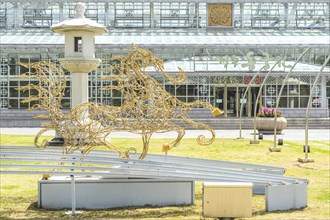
(229,99)
(241,91)
(225,99)
(254,94)
(219,102)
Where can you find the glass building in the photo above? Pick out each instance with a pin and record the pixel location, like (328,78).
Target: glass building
(220,44)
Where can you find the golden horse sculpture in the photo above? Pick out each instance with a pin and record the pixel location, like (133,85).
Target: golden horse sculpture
(147,107)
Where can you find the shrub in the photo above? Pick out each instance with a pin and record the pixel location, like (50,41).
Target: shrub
(268,113)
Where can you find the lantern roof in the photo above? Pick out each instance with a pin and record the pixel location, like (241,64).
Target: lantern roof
(79,23)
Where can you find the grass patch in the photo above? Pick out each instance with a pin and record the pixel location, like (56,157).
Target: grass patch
(19,140)
(18,193)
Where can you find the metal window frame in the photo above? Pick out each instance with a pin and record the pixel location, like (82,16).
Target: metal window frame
(35,18)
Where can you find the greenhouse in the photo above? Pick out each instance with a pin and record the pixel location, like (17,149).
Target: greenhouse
(220,44)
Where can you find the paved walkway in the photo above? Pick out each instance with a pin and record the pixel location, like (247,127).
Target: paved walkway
(288,134)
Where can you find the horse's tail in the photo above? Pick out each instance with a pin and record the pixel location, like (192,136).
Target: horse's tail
(201,139)
(50,84)
(186,107)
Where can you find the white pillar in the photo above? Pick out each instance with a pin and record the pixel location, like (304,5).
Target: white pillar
(324,92)
(291,103)
(241,5)
(286,15)
(79,88)
(152,16)
(225,101)
(238,96)
(61,12)
(249,103)
(106,13)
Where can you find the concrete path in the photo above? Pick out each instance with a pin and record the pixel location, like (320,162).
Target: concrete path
(288,134)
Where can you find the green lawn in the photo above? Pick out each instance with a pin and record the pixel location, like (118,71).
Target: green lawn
(18,193)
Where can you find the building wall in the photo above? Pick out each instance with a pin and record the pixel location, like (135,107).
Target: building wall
(206,67)
(156,14)
(23,118)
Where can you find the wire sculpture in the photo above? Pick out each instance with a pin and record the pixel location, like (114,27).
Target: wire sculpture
(147,107)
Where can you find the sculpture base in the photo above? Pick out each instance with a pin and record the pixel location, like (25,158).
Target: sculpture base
(305,160)
(102,193)
(269,132)
(286,196)
(71,213)
(57,141)
(254,142)
(275,149)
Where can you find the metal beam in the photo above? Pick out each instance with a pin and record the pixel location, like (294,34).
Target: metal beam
(160,158)
(105,164)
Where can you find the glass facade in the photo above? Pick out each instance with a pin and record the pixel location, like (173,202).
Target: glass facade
(295,93)
(205,75)
(274,15)
(217,73)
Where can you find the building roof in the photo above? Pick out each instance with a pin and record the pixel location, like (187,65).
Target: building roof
(180,1)
(176,38)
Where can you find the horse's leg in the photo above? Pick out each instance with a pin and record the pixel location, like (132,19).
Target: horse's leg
(181,133)
(146,140)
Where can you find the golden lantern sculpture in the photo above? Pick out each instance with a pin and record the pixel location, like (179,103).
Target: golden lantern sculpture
(147,108)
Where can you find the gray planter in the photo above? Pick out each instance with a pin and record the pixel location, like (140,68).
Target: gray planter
(266,125)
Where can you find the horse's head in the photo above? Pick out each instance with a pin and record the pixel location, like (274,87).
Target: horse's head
(143,58)
(139,59)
